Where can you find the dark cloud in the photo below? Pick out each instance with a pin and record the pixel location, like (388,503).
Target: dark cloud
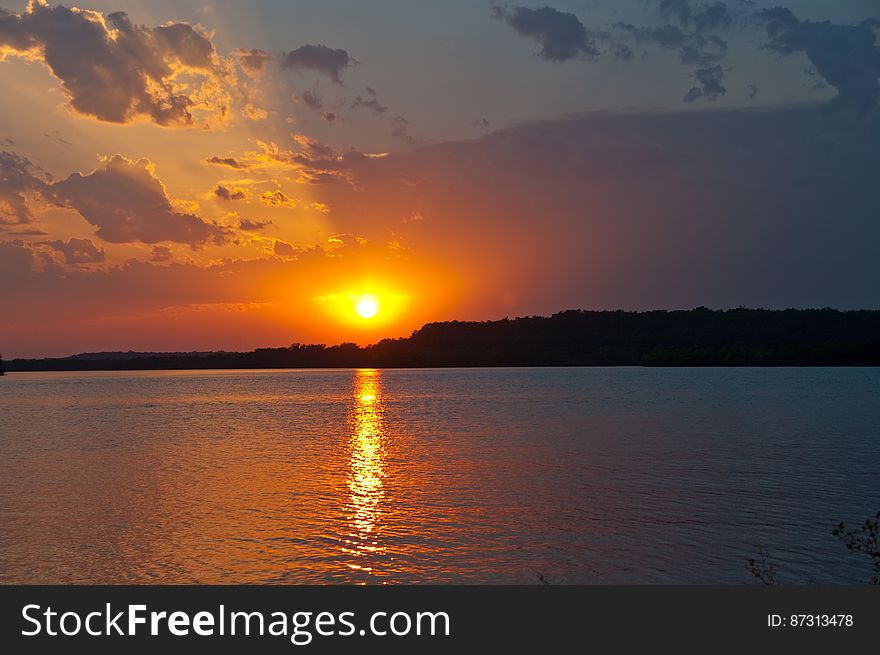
(710,81)
(161,254)
(312,100)
(399,124)
(127,203)
(230,193)
(253,61)
(702,17)
(705,51)
(320,59)
(229,162)
(846,56)
(253,226)
(116,71)
(78,251)
(18,178)
(371,102)
(283,249)
(691,44)
(28,233)
(762,208)
(560,34)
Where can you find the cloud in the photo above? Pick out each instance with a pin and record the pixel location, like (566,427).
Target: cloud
(846,56)
(693,47)
(320,59)
(255,113)
(231,193)
(252,61)
(277,198)
(710,84)
(371,102)
(311,100)
(312,161)
(161,254)
(703,17)
(560,34)
(283,249)
(705,51)
(127,203)
(312,148)
(229,162)
(314,102)
(18,178)
(28,233)
(253,226)
(399,124)
(115,71)
(78,251)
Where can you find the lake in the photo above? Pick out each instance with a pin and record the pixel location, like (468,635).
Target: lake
(570,475)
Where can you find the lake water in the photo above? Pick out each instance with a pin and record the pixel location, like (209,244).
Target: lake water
(579,475)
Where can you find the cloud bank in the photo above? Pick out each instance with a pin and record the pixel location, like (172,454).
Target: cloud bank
(128,203)
(118,72)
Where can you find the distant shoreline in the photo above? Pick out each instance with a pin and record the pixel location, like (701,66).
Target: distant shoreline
(698,337)
(423,368)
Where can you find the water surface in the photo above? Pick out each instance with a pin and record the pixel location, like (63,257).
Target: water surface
(576,475)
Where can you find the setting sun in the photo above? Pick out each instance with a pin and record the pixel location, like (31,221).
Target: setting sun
(367,307)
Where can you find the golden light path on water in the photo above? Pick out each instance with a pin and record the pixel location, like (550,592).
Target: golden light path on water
(367,454)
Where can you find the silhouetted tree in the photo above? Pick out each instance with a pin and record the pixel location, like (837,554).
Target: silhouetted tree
(761,568)
(863,540)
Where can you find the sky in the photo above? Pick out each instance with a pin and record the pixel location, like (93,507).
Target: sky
(180,176)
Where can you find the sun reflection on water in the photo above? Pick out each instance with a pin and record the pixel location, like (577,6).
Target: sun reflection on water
(366,474)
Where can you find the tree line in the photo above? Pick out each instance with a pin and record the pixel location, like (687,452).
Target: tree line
(697,337)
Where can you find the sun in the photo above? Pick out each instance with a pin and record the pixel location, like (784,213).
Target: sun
(367,307)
